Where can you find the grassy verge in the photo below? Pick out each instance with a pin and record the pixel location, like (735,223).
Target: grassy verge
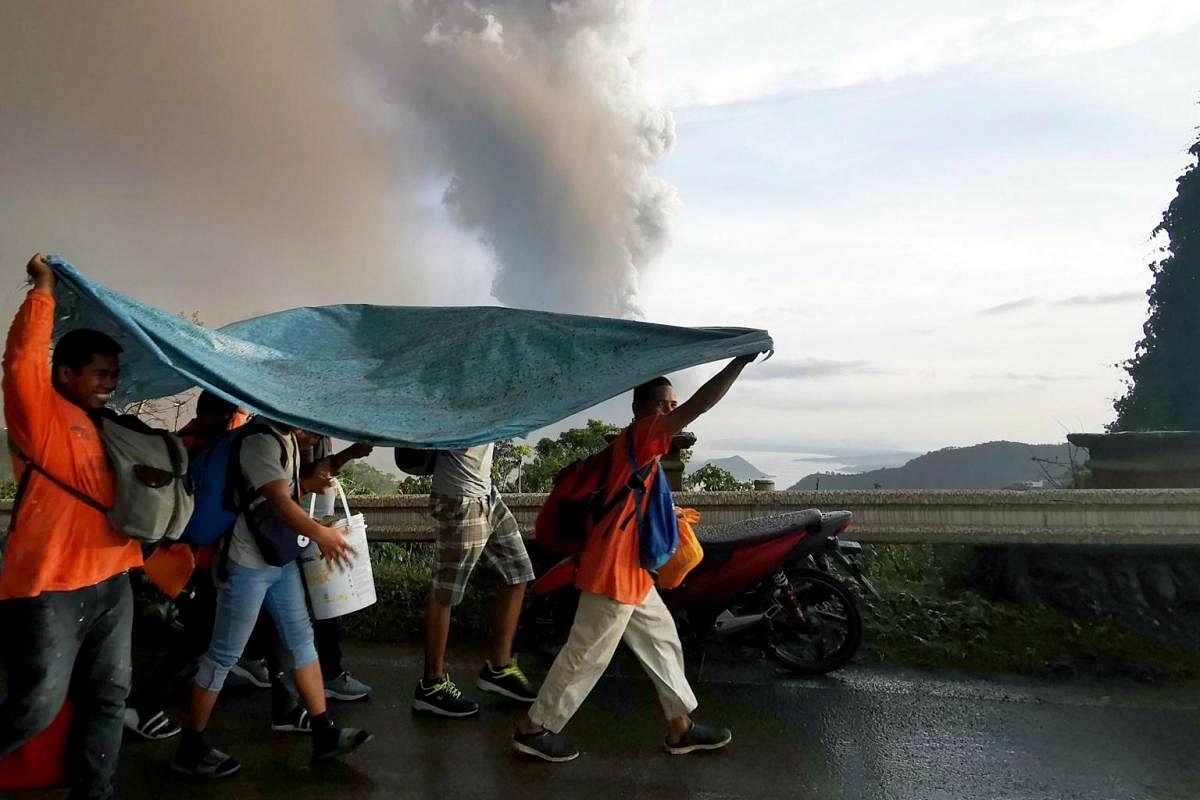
(926,620)
(971,633)
(402,576)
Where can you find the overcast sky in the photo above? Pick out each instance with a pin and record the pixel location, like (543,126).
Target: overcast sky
(940,210)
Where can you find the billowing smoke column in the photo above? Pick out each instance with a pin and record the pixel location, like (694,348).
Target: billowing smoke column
(533,108)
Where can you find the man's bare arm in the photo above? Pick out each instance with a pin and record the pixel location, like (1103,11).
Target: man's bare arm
(707,395)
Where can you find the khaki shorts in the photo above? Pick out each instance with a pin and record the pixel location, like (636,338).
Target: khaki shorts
(471,528)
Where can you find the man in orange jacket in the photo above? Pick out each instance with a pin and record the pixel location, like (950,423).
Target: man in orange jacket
(66,607)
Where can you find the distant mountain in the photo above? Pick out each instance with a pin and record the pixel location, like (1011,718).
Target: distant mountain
(736,466)
(993,465)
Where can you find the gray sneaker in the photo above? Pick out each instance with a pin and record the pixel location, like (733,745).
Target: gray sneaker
(255,672)
(698,738)
(545,745)
(346,687)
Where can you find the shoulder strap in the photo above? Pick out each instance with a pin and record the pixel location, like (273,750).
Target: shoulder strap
(31,467)
(636,482)
(248,494)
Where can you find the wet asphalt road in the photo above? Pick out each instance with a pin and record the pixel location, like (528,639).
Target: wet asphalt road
(862,733)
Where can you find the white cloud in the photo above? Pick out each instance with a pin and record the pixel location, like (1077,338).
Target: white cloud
(714,53)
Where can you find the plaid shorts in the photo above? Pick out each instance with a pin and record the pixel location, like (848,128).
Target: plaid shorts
(469,528)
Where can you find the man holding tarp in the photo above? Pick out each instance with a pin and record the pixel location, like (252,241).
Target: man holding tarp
(618,601)
(67,607)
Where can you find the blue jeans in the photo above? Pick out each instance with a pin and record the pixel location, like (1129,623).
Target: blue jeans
(239,600)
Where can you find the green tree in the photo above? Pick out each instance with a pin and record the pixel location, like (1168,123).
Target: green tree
(711,478)
(551,455)
(415,484)
(508,465)
(360,478)
(1163,377)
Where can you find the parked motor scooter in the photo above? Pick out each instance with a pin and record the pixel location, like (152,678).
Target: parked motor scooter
(763,582)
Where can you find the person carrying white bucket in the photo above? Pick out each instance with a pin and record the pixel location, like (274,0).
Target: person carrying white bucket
(258,569)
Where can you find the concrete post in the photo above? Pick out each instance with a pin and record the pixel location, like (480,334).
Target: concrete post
(672,462)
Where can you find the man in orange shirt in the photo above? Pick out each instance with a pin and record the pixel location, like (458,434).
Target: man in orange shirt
(66,607)
(618,600)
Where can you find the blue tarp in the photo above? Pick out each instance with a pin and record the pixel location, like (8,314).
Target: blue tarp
(435,377)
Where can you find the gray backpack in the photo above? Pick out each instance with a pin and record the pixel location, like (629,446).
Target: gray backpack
(153,501)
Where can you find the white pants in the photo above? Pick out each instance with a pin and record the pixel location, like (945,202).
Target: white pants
(600,625)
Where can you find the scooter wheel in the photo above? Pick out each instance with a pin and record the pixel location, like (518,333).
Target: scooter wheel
(830,632)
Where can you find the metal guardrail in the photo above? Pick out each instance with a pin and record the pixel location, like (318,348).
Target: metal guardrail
(1078,517)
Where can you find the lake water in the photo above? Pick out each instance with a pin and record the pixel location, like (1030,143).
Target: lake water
(787,468)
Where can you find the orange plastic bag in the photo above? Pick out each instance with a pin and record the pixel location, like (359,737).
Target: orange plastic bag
(40,763)
(689,554)
(170,568)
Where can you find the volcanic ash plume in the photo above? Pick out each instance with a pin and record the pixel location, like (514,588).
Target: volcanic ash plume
(533,110)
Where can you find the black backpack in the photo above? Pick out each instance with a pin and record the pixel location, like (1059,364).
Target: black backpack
(416,460)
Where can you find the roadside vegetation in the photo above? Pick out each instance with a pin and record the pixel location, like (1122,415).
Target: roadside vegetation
(927,619)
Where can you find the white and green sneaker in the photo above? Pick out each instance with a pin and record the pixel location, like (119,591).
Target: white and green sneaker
(508,681)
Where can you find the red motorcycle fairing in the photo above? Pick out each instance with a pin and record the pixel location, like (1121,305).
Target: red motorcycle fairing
(559,576)
(717,581)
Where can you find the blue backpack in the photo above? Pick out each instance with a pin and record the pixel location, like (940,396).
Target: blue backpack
(212,516)
(657,525)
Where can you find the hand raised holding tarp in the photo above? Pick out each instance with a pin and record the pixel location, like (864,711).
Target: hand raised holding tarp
(396,376)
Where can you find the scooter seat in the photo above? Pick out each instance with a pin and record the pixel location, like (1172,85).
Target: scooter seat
(739,534)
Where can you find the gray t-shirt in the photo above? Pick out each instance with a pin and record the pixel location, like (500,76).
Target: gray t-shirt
(464,473)
(260,460)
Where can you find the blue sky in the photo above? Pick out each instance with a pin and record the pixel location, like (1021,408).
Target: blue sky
(943,213)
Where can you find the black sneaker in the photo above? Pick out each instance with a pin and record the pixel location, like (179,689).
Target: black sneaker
(155,727)
(296,720)
(699,737)
(545,745)
(508,681)
(443,698)
(211,764)
(347,741)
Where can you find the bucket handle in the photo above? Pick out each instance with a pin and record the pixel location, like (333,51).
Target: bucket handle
(341,494)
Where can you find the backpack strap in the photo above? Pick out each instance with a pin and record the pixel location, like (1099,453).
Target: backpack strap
(638,487)
(239,496)
(31,467)
(636,484)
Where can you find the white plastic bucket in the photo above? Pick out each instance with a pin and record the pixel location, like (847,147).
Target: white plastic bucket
(331,591)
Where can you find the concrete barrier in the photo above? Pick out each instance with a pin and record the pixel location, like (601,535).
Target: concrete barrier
(1114,516)
(1101,516)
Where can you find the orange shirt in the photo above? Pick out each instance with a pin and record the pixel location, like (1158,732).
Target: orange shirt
(610,563)
(58,543)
